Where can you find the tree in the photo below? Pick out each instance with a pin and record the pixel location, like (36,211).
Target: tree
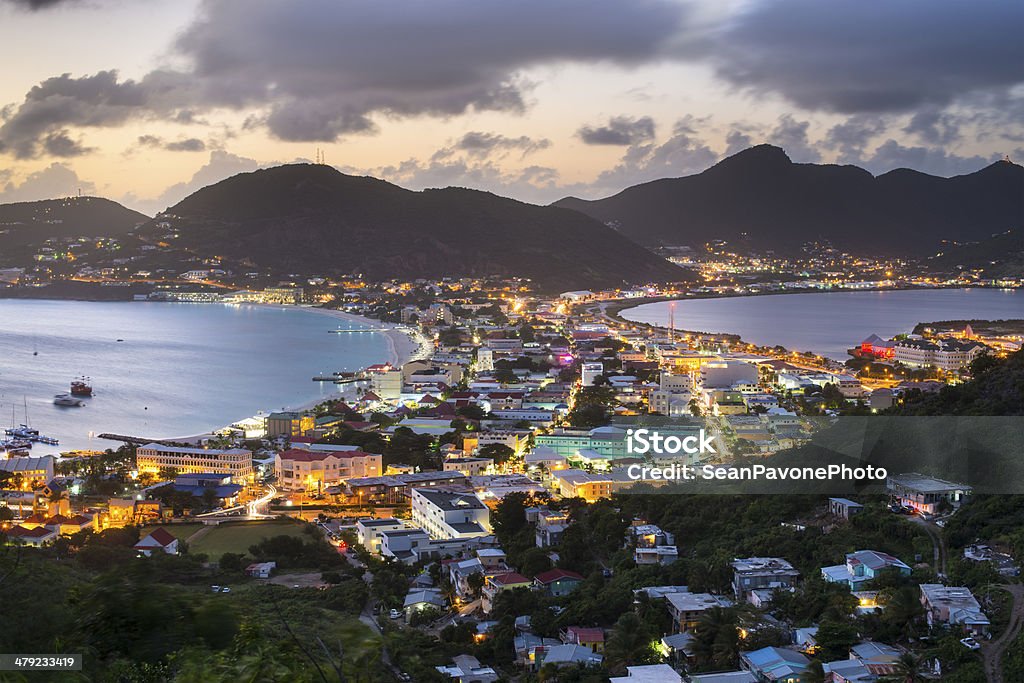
(476,584)
(498,452)
(835,638)
(630,643)
(909,668)
(534,561)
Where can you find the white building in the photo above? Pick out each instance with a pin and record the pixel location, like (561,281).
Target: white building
(369,531)
(236,462)
(590,372)
(953,605)
(446,515)
(723,374)
(484,359)
(950,355)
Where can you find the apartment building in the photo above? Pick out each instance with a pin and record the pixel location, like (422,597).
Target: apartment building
(236,462)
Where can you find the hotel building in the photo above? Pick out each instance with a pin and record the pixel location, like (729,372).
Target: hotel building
(236,462)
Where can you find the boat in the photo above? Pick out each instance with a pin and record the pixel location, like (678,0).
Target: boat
(81,387)
(67,400)
(16,446)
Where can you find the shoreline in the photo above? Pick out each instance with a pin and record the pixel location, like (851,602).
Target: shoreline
(402,348)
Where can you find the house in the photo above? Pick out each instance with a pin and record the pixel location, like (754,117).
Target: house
(570,655)
(368,531)
(953,605)
(880,659)
(688,608)
(847,671)
(36,536)
(651,673)
(677,647)
(775,665)
(863,566)
(557,582)
(467,669)
(423,599)
(661,555)
(753,573)
(551,525)
(592,638)
(459,573)
(926,494)
(159,539)
(844,507)
(445,515)
(725,677)
(496,585)
(403,544)
(260,570)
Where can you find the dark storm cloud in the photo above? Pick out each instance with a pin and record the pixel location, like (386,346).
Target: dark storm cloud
(187,145)
(320,69)
(852,56)
(38,4)
(620,130)
(851,138)
(61,144)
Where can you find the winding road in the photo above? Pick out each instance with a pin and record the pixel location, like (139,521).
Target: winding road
(992,652)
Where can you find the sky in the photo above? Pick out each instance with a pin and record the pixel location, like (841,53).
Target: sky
(146,101)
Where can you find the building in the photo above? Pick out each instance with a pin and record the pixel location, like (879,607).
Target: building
(757,573)
(369,531)
(289,424)
(926,494)
(309,470)
(557,582)
(863,566)
(499,583)
(649,673)
(589,373)
(569,656)
(446,515)
(471,467)
(551,525)
(387,385)
(397,488)
(260,570)
(592,638)
(725,677)
(953,605)
(484,359)
(688,608)
(661,554)
(950,355)
(723,374)
(31,472)
(403,544)
(467,669)
(37,536)
(775,664)
(423,599)
(236,462)
(159,540)
(591,486)
(844,507)
(671,403)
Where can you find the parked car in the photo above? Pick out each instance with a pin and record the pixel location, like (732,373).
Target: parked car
(394,614)
(215,589)
(225,589)
(970,643)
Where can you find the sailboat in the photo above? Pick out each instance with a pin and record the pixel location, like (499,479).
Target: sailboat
(23,431)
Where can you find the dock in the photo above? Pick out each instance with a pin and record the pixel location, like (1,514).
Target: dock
(361,329)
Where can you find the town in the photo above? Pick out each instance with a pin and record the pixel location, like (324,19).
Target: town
(475,503)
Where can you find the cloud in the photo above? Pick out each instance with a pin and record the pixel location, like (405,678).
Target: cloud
(56,180)
(620,130)
(320,69)
(850,139)
(35,5)
(791,135)
(61,144)
(891,155)
(221,165)
(479,144)
(186,145)
(852,57)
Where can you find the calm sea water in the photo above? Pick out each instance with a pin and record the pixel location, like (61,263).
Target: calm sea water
(832,322)
(182,369)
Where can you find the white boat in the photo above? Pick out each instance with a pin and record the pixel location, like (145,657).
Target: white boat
(67,400)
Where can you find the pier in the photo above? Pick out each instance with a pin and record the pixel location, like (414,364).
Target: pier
(362,329)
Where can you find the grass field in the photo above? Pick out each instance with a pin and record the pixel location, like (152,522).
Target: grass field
(236,537)
(179,531)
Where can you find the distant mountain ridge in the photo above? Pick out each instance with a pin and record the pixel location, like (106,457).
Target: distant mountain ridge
(761,199)
(35,222)
(308,218)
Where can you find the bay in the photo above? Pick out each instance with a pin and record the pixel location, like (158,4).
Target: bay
(181,369)
(829,323)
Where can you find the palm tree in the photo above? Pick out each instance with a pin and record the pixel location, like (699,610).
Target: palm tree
(909,668)
(630,643)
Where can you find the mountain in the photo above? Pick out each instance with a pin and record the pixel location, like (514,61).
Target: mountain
(34,222)
(1000,255)
(761,199)
(307,218)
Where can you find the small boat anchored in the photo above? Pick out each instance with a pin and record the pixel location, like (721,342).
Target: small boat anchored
(68,400)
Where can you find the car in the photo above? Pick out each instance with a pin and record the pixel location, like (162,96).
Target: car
(970,643)
(215,589)
(394,614)
(225,589)
(941,523)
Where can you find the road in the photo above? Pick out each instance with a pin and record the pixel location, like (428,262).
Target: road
(249,511)
(939,552)
(992,652)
